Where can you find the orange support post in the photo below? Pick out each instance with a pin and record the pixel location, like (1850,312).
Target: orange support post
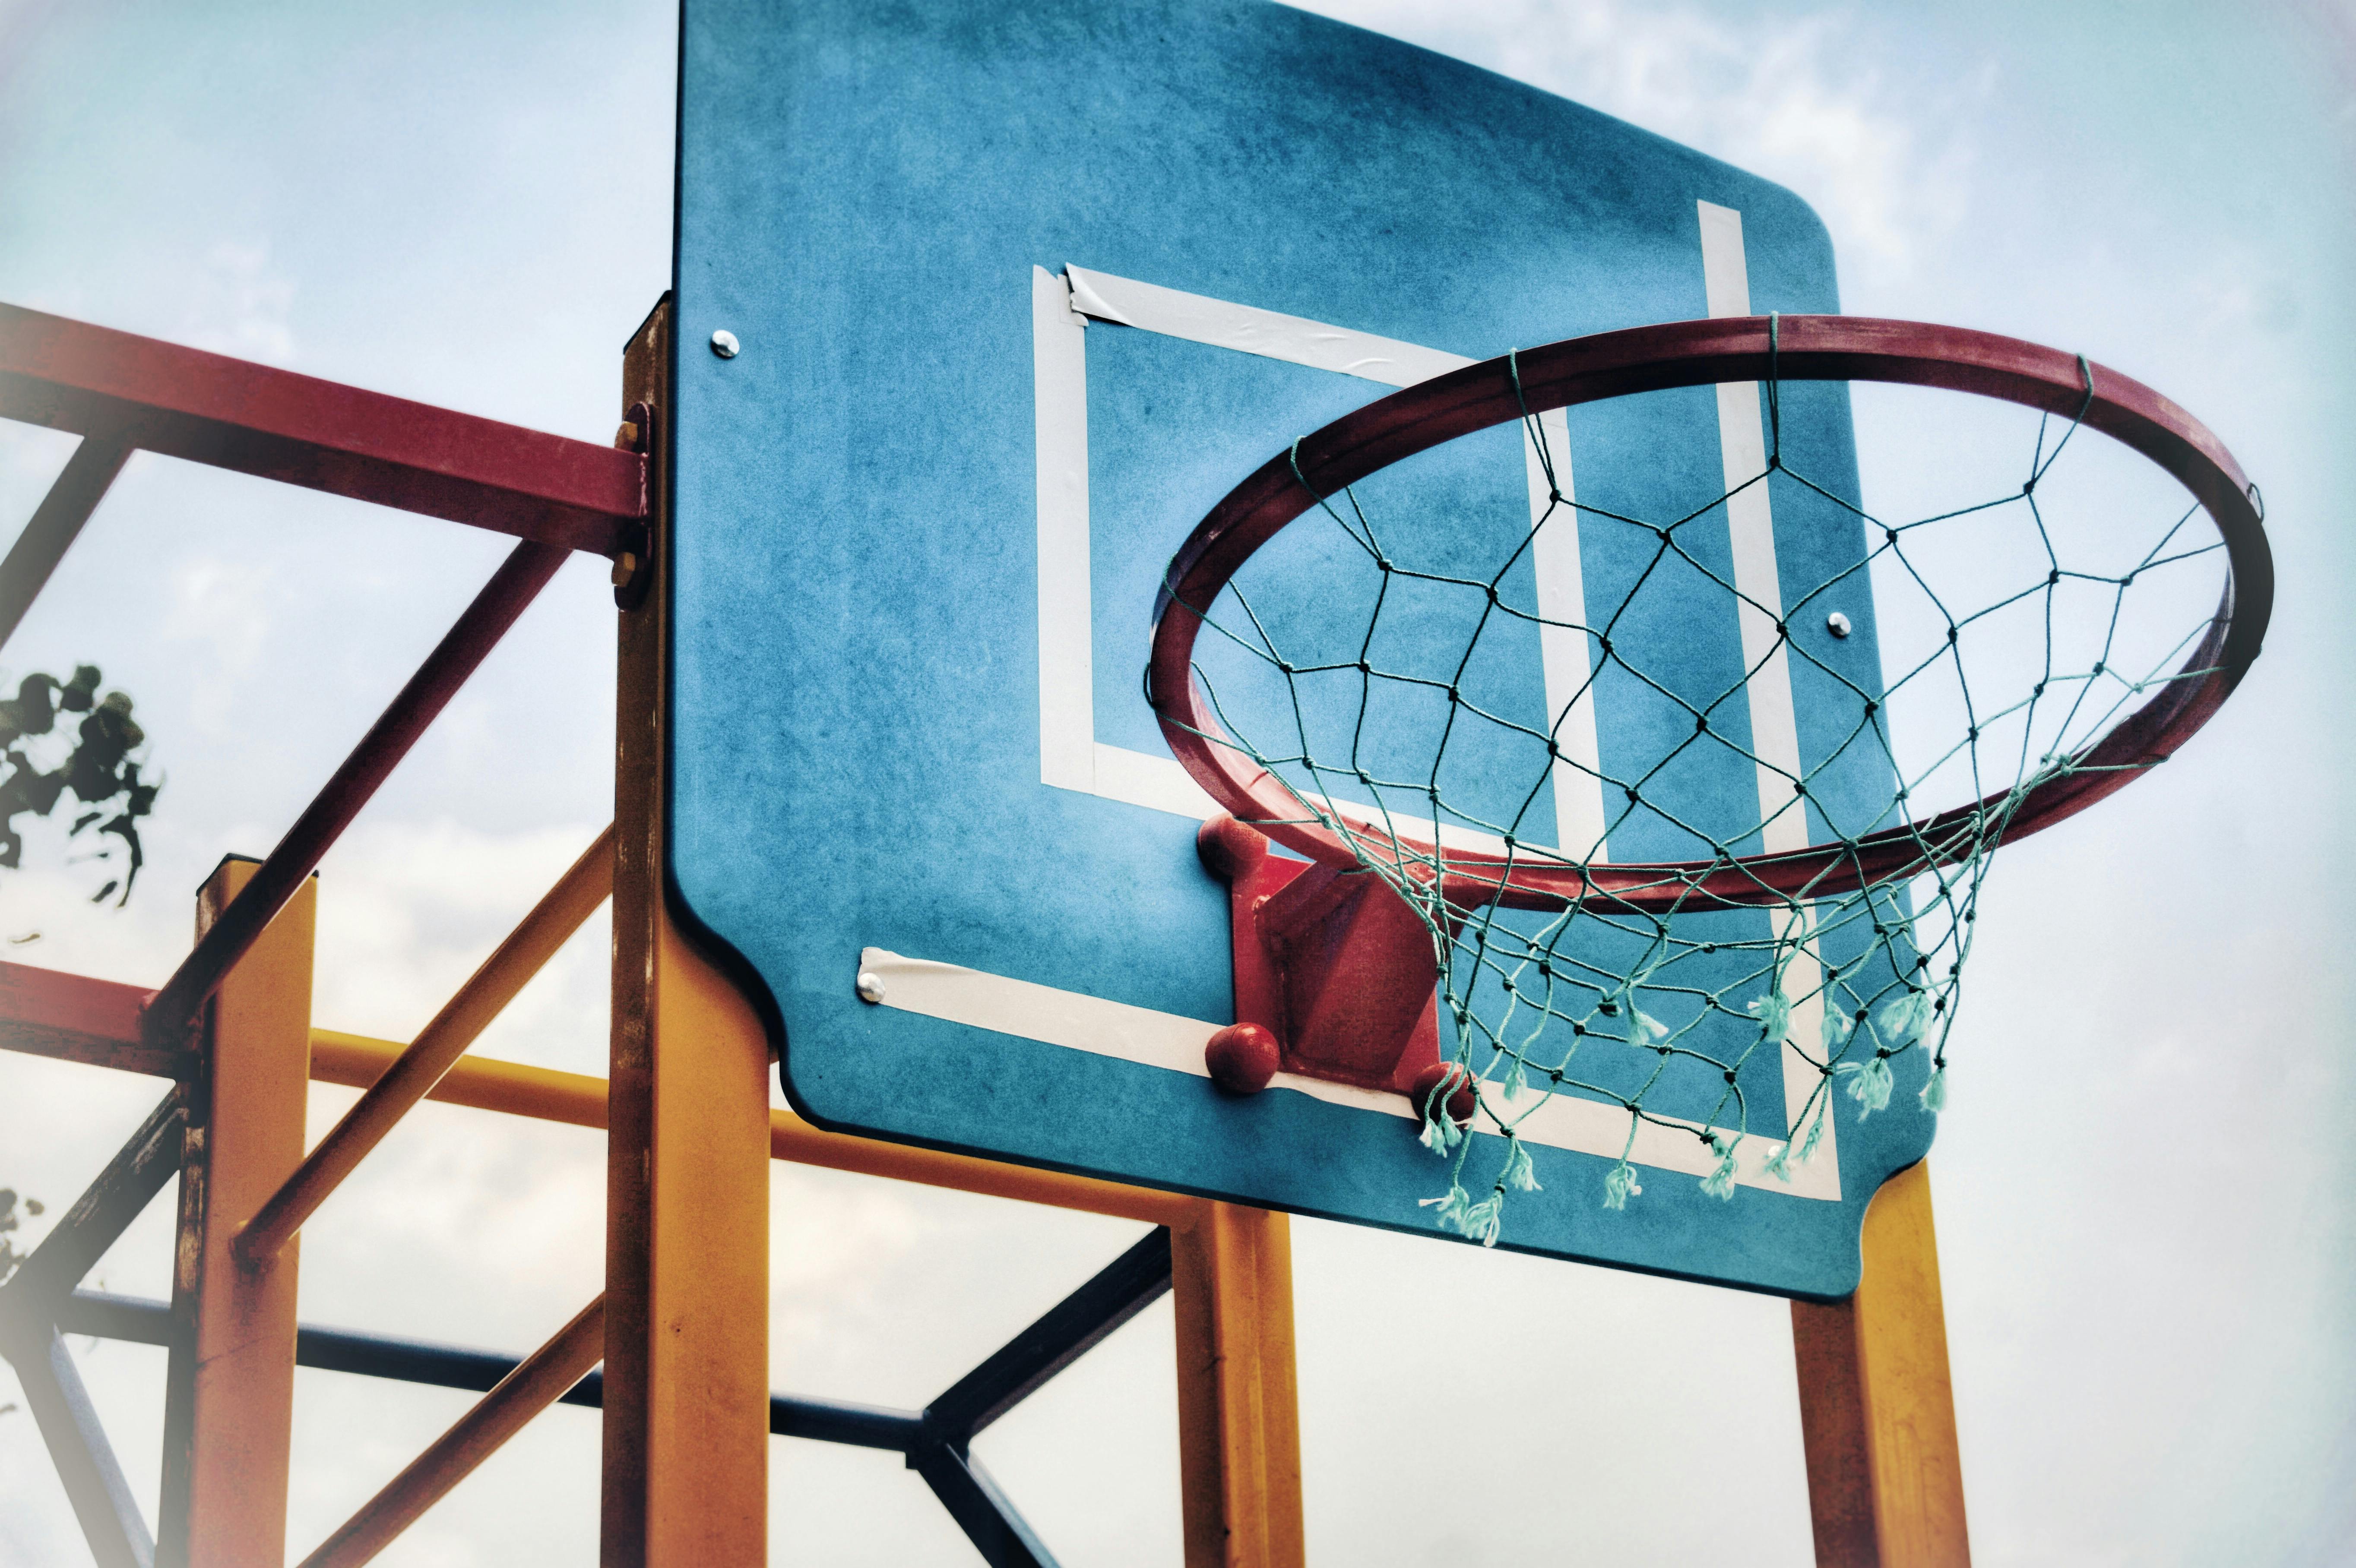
(1239,1418)
(229,1391)
(687,1215)
(1877,1413)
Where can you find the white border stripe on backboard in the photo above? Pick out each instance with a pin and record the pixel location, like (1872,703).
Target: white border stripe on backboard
(1750,527)
(1066,677)
(1579,820)
(1070,757)
(1198,318)
(1166,1040)
(1775,721)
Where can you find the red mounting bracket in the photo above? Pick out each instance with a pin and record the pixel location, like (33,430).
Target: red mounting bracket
(1335,978)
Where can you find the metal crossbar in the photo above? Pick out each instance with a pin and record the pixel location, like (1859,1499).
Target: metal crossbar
(415,1071)
(322,435)
(537,1382)
(62,1015)
(29,1305)
(124,394)
(468,642)
(133,1321)
(936,1441)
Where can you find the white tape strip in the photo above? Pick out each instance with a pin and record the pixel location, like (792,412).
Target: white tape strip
(1078,1022)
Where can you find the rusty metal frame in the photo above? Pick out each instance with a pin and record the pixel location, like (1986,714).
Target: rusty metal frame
(1876,1417)
(935,1441)
(219,1016)
(31,1302)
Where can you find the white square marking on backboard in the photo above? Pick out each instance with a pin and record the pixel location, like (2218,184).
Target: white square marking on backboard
(1070,756)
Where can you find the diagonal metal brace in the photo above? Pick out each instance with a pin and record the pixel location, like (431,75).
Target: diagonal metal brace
(29,1302)
(1081,1322)
(980,1509)
(1074,1327)
(94,1483)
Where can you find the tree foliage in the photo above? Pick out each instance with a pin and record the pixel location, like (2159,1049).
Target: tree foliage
(10,1218)
(99,771)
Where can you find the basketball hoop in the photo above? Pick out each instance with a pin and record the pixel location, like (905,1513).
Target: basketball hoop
(1348,965)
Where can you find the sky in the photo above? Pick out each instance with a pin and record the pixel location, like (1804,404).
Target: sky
(2144,1182)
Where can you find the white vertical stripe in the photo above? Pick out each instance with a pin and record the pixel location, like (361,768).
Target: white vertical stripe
(1775,722)
(1751,526)
(1562,598)
(1066,683)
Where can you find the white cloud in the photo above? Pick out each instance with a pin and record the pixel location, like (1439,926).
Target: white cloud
(239,303)
(408,910)
(1782,96)
(221,617)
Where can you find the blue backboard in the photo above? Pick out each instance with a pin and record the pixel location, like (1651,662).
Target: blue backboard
(1020,292)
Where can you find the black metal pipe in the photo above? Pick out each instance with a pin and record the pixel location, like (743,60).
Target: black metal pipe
(990,1520)
(1070,1329)
(452,1366)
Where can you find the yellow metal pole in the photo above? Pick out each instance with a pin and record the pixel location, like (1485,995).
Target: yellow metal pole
(1238,1419)
(539,1382)
(1877,1412)
(483,997)
(510,1087)
(687,1214)
(229,1391)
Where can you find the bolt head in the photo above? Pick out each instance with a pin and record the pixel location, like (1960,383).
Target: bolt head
(724,343)
(871,986)
(1837,624)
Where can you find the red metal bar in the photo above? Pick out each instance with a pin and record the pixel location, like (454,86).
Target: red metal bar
(46,1012)
(71,499)
(319,435)
(516,584)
